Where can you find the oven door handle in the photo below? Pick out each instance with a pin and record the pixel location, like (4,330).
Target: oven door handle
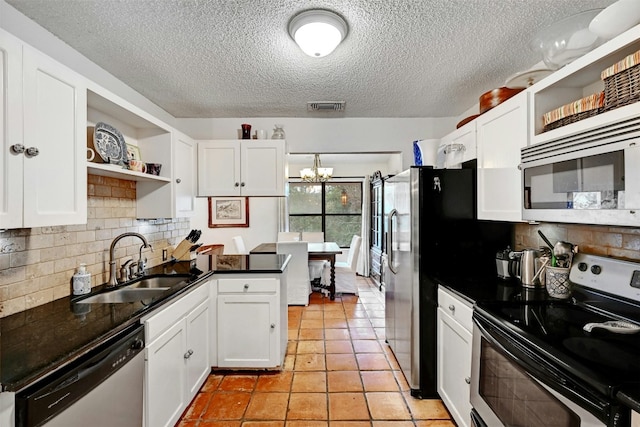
(519,354)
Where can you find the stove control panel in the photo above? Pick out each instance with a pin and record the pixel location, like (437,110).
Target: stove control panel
(607,275)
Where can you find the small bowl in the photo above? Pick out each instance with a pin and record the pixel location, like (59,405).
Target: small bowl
(562,42)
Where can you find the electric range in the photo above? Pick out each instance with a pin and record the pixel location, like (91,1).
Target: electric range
(545,339)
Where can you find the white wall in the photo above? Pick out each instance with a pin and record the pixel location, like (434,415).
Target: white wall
(263,224)
(331,135)
(309,135)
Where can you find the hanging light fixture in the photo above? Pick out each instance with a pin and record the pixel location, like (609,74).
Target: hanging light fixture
(317,32)
(317,173)
(343,197)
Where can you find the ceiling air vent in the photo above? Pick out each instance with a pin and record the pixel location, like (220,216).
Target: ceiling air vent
(325,106)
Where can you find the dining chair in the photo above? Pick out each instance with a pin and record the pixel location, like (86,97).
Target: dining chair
(313,236)
(346,271)
(289,236)
(297,273)
(240,247)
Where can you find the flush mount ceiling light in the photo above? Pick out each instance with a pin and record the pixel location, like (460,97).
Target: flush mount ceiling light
(317,32)
(317,173)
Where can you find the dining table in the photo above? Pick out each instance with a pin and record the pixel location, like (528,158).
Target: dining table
(317,251)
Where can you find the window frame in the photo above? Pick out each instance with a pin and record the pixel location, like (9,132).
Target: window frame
(324,214)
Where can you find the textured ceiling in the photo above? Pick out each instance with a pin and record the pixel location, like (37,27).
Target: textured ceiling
(234,58)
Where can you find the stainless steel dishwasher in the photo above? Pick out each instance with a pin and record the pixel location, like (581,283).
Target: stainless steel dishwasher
(103,388)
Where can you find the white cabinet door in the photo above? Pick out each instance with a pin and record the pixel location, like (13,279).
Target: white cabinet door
(263,171)
(197,354)
(248,331)
(454,367)
(501,132)
(165,393)
(219,168)
(184,180)
(10,131)
(241,168)
(43,117)
(55,179)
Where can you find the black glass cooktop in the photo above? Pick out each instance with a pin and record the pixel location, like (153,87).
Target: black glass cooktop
(605,360)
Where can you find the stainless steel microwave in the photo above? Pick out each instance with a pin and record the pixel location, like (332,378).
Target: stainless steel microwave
(593,178)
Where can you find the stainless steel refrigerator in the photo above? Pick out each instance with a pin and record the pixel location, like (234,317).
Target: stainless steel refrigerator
(432,234)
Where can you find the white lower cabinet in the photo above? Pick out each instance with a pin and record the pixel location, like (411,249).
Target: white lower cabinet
(177,357)
(454,355)
(251,323)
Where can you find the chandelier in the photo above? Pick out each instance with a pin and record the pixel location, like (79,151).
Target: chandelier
(317,173)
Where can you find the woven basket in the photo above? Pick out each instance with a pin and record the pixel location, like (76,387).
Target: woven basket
(588,106)
(622,88)
(572,119)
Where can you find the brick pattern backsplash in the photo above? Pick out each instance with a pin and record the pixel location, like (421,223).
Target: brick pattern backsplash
(36,264)
(618,242)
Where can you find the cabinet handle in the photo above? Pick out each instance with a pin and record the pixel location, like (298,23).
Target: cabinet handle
(188,354)
(32,152)
(273,326)
(242,184)
(178,181)
(452,307)
(246,286)
(17,149)
(467,380)
(237,184)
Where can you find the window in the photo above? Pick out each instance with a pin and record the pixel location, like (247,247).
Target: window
(332,207)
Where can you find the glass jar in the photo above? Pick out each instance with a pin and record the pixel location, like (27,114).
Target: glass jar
(278,132)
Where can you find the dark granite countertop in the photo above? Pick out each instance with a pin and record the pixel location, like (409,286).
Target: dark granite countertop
(39,341)
(495,289)
(481,289)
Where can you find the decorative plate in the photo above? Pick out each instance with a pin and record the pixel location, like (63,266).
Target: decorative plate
(109,144)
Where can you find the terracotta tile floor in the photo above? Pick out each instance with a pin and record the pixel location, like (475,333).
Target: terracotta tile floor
(338,372)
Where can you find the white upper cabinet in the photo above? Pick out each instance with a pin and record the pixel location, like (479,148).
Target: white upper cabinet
(11,174)
(501,132)
(43,135)
(458,146)
(184,177)
(241,168)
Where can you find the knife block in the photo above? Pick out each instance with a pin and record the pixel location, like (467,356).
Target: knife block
(183,252)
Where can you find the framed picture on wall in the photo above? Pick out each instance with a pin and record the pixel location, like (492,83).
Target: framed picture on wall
(228,212)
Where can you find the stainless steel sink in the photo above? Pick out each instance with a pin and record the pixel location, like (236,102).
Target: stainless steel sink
(124,295)
(157,282)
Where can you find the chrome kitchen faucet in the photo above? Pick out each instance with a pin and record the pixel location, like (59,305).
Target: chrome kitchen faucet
(113,281)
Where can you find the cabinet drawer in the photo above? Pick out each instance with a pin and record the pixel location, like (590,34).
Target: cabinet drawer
(161,320)
(247,286)
(457,308)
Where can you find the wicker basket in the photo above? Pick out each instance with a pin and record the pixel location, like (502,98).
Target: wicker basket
(588,106)
(622,82)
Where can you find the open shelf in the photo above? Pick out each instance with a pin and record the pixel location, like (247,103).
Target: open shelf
(115,171)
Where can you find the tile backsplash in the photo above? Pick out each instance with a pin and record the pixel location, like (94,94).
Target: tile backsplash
(602,240)
(36,264)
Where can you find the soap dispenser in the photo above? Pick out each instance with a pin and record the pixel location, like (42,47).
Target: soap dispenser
(82,281)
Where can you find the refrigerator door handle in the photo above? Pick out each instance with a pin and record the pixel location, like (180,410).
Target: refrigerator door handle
(390,234)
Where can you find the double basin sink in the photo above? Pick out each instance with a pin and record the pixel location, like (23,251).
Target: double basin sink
(142,289)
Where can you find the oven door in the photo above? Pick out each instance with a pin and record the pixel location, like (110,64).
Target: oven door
(504,392)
